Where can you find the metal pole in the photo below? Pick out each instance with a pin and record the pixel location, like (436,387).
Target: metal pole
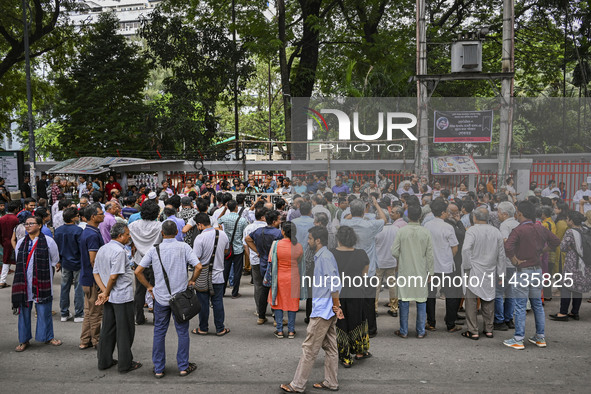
(506,113)
(29,104)
(422,153)
(270,101)
(236,130)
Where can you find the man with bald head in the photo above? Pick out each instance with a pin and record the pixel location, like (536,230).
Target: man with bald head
(582,198)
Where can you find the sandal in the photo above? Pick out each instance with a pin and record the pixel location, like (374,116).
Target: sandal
(224,332)
(82,347)
(158,375)
(401,335)
(54,342)
(347,363)
(192,367)
(22,347)
(468,334)
(197,331)
(365,355)
(279,334)
(134,365)
(322,386)
(291,335)
(488,334)
(287,388)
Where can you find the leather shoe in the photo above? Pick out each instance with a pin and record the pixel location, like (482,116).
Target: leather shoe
(501,327)
(393,313)
(573,316)
(558,318)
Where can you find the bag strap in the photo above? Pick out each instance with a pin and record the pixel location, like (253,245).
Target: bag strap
(163,270)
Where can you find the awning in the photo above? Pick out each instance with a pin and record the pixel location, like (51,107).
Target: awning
(89,165)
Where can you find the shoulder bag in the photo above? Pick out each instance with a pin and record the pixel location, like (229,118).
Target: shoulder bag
(184,304)
(204,281)
(228,255)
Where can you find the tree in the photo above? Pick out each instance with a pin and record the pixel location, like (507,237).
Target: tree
(200,55)
(100,108)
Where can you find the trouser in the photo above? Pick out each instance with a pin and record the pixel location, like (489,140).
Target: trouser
(522,290)
(291,316)
(421,317)
(308,307)
(93,314)
(234,263)
(370,310)
(44,328)
(263,294)
(320,334)
(118,329)
(140,296)
(217,302)
(504,308)
(393,290)
(487,310)
(452,302)
(70,277)
(247,267)
(5,269)
(161,321)
(257,281)
(565,299)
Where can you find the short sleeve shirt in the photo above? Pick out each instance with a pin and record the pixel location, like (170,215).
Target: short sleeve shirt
(112,259)
(444,238)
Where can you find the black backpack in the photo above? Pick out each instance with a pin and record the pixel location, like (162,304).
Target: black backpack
(586,244)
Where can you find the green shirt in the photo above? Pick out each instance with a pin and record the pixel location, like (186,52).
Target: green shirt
(413,249)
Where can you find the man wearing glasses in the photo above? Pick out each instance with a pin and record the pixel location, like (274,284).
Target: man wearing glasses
(36,254)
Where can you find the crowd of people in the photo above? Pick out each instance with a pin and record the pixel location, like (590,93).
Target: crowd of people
(127,252)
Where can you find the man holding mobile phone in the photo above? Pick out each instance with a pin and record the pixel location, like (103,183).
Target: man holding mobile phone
(582,198)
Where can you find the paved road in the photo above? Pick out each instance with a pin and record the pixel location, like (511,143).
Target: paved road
(251,360)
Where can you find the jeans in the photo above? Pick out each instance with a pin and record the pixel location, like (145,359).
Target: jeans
(504,308)
(522,290)
(291,316)
(44,328)
(403,307)
(565,297)
(235,263)
(161,321)
(217,301)
(68,277)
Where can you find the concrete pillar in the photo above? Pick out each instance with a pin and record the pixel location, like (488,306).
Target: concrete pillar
(522,183)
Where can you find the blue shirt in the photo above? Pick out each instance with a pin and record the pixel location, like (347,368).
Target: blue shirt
(133,218)
(67,238)
(90,241)
(180,223)
(300,189)
(325,267)
(312,187)
(263,239)
(303,224)
(339,189)
(45,230)
(128,211)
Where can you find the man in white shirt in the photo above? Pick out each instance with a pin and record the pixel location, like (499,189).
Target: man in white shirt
(387,264)
(483,258)
(204,249)
(445,246)
(257,279)
(550,189)
(582,198)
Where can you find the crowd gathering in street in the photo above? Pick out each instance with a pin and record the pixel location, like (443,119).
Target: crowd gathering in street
(484,250)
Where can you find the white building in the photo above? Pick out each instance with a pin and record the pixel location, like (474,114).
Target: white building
(129,13)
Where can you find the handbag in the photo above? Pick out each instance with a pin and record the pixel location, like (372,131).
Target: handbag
(184,304)
(228,255)
(204,282)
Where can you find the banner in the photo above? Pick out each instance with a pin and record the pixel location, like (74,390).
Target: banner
(453,165)
(462,126)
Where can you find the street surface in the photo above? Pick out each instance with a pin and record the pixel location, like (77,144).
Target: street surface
(251,360)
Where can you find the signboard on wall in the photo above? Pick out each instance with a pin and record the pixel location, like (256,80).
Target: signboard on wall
(453,165)
(462,126)
(12,165)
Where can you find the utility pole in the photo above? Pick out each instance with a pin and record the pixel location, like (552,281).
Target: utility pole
(236,130)
(32,179)
(506,126)
(422,149)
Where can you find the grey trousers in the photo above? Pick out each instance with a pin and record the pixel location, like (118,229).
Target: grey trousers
(321,334)
(487,310)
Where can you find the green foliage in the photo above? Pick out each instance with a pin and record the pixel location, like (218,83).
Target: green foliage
(100,108)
